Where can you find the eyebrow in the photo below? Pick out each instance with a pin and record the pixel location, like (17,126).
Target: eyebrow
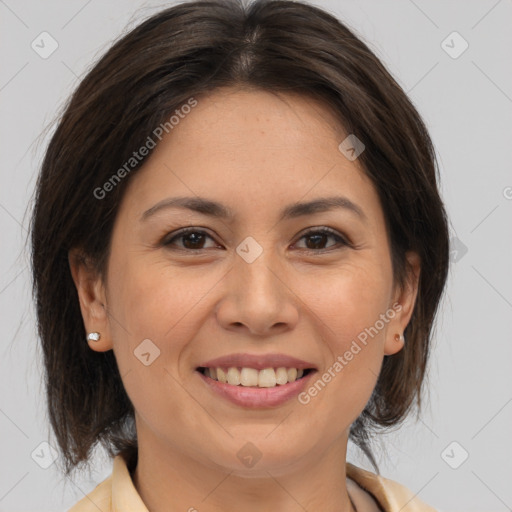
(218,210)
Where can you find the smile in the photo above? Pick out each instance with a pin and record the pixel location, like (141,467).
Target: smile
(252,377)
(253,388)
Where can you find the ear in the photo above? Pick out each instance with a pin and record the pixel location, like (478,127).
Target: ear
(92,298)
(403,304)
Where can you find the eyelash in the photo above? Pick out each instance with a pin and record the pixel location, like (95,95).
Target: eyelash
(323,231)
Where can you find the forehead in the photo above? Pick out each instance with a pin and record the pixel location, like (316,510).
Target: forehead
(254,149)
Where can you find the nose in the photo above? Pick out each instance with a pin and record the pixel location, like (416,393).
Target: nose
(258,298)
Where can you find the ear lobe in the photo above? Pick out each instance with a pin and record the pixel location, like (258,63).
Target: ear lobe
(92,298)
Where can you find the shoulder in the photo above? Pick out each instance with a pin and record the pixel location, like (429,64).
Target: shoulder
(390,495)
(100,498)
(115,494)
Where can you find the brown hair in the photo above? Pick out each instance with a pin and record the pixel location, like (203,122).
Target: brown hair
(184,51)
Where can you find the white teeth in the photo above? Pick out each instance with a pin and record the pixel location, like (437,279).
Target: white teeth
(281,376)
(250,377)
(221,375)
(233,376)
(267,378)
(292,374)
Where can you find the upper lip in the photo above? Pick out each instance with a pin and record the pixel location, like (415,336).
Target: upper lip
(257,361)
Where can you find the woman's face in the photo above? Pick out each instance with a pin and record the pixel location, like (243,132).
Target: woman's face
(253,283)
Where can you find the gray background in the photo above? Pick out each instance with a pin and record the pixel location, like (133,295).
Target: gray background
(467,105)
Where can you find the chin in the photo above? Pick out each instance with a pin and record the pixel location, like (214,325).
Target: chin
(255,456)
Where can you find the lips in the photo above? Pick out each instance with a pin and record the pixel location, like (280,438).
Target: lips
(256,380)
(254,396)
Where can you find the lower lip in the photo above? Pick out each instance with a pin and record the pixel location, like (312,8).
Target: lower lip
(254,397)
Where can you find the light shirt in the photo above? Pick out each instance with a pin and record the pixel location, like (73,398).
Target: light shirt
(369,491)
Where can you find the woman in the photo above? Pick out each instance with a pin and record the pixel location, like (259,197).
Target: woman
(239,250)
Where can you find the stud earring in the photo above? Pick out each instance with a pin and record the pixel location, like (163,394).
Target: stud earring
(399,337)
(93,336)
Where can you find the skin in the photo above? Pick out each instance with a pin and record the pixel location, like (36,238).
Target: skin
(255,152)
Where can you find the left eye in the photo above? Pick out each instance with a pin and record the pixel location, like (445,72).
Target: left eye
(193,239)
(319,236)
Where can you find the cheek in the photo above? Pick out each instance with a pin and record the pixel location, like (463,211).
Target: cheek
(154,313)
(154,301)
(351,298)
(151,297)
(347,307)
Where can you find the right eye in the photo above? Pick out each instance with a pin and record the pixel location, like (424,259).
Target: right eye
(192,239)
